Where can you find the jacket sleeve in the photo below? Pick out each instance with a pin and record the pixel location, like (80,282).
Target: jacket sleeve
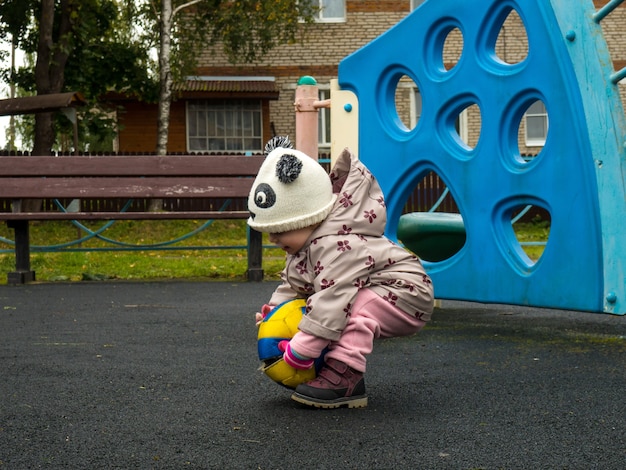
(284,292)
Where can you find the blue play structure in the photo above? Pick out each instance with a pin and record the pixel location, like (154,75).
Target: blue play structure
(579,177)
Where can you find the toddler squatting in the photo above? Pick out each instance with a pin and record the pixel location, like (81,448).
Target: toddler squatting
(357,283)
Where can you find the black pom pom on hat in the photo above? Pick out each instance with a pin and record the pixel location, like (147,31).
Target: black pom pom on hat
(288,168)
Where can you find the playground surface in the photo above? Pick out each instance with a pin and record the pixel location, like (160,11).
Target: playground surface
(164,375)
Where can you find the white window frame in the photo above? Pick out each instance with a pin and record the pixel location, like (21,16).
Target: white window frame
(323,119)
(462,126)
(415,105)
(252,131)
(319,16)
(541,113)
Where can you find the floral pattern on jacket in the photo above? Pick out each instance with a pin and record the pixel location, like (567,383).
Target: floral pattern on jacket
(349,252)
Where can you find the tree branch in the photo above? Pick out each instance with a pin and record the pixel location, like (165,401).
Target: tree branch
(183,6)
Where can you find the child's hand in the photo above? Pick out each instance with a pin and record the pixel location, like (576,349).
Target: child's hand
(294,359)
(259,316)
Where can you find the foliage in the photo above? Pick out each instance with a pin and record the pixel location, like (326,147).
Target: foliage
(249,29)
(246,30)
(101,54)
(109,46)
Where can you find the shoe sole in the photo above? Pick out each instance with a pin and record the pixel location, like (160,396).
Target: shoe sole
(351,402)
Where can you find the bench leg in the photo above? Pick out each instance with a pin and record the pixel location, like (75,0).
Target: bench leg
(255,255)
(22,273)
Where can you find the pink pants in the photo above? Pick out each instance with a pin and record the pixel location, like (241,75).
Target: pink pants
(372,317)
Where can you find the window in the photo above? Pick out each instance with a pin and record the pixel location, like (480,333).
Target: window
(416,3)
(536,124)
(224,125)
(330,10)
(323,123)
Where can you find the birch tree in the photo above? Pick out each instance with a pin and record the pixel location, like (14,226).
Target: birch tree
(246,30)
(165,70)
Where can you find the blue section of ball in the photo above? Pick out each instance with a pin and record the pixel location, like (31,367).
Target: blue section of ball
(268,348)
(280,324)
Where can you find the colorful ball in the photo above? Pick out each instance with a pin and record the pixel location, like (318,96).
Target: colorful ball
(282,324)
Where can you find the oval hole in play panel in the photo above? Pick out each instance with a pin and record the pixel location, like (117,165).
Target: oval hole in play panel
(511,45)
(408,102)
(459,125)
(452,48)
(431,225)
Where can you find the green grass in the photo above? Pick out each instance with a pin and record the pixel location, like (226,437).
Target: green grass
(536,231)
(200,264)
(216,264)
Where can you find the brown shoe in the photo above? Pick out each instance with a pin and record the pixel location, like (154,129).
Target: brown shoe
(336,385)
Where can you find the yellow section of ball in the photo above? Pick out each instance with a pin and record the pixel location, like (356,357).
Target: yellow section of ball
(282,322)
(286,375)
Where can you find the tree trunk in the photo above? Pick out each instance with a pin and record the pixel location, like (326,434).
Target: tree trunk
(165,83)
(165,80)
(165,70)
(165,76)
(49,74)
(50,67)
(44,134)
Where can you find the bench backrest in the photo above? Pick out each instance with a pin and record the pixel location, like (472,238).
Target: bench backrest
(150,176)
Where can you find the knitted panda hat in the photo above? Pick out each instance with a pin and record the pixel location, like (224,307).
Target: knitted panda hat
(291,190)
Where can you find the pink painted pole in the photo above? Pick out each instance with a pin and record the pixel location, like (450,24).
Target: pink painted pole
(307,96)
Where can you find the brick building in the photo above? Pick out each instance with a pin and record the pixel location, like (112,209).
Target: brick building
(237,108)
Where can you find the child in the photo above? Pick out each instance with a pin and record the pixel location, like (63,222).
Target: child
(358,284)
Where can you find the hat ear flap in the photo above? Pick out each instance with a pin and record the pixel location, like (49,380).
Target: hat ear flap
(288,168)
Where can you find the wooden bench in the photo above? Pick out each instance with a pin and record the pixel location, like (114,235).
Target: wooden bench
(123,177)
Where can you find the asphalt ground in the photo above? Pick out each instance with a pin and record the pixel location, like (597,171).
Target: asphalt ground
(165,375)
